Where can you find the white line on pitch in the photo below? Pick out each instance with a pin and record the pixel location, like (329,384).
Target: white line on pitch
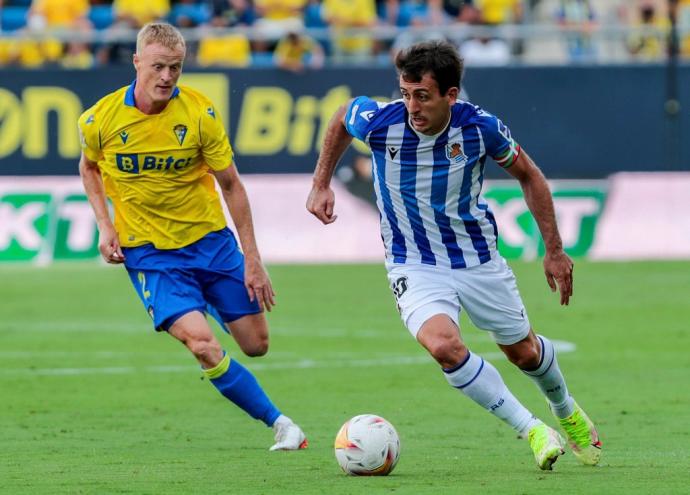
(561,346)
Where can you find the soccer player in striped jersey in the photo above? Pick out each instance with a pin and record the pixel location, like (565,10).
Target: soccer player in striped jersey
(156,150)
(428,153)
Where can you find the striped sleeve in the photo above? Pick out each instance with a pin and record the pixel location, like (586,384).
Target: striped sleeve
(499,143)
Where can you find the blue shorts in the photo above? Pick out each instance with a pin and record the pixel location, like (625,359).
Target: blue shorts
(205,276)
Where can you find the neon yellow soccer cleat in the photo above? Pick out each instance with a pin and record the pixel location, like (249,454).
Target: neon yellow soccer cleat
(582,436)
(546,444)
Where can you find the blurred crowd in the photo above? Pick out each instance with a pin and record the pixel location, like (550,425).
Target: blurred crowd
(301,34)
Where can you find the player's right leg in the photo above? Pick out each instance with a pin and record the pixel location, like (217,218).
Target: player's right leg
(231,379)
(251,334)
(220,272)
(234,381)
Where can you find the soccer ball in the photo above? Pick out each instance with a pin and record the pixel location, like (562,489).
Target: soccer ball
(367,445)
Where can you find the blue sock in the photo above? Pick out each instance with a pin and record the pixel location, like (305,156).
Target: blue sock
(238,384)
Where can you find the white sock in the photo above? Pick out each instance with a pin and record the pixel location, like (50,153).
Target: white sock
(550,381)
(482,383)
(282,419)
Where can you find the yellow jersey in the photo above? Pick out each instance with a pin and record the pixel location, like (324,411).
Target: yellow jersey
(156,168)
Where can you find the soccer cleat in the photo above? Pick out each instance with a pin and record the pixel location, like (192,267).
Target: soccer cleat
(546,444)
(582,436)
(288,436)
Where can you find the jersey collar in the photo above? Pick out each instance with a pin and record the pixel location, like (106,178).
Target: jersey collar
(129,94)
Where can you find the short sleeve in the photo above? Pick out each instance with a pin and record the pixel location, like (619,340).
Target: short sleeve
(360,115)
(215,146)
(89,136)
(498,141)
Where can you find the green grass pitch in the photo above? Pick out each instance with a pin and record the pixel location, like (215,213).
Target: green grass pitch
(93,401)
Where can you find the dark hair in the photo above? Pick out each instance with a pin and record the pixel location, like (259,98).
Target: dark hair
(438,58)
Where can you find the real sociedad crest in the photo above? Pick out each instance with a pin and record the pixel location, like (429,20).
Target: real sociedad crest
(180,131)
(454,153)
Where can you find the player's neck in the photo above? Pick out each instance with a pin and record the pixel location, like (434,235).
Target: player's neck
(146,105)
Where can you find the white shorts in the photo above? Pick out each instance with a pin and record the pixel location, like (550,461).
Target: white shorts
(488,293)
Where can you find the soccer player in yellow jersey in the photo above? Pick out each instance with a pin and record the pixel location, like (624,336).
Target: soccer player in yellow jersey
(157,150)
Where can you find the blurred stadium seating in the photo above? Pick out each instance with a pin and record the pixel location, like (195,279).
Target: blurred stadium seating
(534,31)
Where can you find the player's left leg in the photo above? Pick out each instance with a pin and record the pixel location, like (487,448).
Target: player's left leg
(251,334)
(489,294)
(535,355)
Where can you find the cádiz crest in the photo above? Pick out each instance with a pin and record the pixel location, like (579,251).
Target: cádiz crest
(180,131)
(454,153)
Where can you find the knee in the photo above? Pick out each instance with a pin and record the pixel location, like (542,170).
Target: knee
(206,350)
(448,352)
(257,347)
(526,357)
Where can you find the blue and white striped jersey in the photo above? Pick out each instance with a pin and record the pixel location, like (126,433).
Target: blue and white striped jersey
(428,187)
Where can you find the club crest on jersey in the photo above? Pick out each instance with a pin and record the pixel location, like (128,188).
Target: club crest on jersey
(454,153)
(211,112)
(180,131)
(124,136)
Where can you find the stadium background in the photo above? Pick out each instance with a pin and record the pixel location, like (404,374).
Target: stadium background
(594,90)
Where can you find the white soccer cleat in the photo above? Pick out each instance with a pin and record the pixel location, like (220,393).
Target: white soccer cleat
(288,435)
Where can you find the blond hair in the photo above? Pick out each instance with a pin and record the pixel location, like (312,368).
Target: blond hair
(160,32)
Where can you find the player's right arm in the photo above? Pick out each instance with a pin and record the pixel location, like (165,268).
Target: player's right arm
(321,200)
(108,240)
(91,153)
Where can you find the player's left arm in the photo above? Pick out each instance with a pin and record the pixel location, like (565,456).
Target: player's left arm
(256,279)
(558,267)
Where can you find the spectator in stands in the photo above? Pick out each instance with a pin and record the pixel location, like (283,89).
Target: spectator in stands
(313,15)
(485,51)
(579,19)
(494,12)
(296,51)
(387,11)
(58,14)
(647,41)
(683,20)
(419,22)
(189,13)
(275,19)
(278,17)
(136,13)
(129,15)
(345,15)
(231,13)
(452,11)
(48,17)
(229,50)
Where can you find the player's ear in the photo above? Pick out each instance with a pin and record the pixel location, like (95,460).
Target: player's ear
(452,94)
(135,60)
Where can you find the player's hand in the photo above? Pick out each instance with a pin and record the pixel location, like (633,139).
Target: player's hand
(320,203)
(109,245)
(558,268)
(258,283)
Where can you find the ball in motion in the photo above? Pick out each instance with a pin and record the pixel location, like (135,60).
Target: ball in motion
(367,445)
